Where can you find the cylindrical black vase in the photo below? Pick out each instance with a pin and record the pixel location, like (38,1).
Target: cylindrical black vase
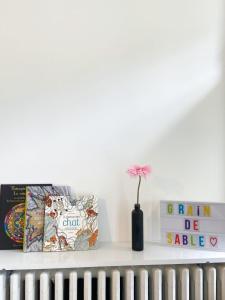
(137,228)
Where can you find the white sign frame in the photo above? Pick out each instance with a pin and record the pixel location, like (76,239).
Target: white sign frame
(194,225)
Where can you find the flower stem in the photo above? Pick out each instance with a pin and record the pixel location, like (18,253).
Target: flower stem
(138,190)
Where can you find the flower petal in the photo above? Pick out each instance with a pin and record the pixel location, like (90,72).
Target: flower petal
(137,170)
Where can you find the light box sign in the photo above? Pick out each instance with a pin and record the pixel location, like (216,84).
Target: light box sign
(193,224)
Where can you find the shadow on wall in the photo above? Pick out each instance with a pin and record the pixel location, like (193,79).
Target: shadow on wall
(104,226)
(188,158)
(196,142)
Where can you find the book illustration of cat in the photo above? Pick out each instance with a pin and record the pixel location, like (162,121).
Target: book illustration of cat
(69,226)
(36,199)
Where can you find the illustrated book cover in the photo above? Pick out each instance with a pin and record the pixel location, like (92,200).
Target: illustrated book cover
(12,216)
(71,223)
(36,197)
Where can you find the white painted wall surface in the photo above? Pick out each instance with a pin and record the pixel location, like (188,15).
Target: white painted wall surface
(88,88)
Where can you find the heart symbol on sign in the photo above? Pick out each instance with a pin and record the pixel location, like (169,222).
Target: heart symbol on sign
(213,241)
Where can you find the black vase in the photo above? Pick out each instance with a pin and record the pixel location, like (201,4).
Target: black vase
(137,228)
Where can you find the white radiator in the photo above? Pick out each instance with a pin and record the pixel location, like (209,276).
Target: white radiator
(189,282)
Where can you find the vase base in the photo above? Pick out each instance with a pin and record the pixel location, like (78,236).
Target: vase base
(137,249)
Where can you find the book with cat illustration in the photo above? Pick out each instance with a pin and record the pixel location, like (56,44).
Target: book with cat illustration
(70,223)
(36,197)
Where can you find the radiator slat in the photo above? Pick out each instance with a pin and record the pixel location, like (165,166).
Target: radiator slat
(170,284)
(115,285)
(44,286)
(15,286)
(211,283)
(157,284)
(73,286)
(59,286)
(221,281)
(197,283)
(29,286)
(184,283)
(129,285)
(143,285)
(3,286)
(101,285)
(87,285)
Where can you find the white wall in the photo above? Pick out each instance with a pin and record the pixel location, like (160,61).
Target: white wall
(88,88)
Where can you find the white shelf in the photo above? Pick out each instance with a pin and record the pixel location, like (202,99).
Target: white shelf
(108,254)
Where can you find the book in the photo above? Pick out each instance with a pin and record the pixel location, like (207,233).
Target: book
(12,216)
(36,197)
(71,223)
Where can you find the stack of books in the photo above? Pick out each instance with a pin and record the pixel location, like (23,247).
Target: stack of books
(44,217)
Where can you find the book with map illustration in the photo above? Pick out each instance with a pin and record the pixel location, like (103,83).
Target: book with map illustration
(71,223)
(36,197)
(12,210)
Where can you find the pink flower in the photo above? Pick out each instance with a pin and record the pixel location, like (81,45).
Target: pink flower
(139,170)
